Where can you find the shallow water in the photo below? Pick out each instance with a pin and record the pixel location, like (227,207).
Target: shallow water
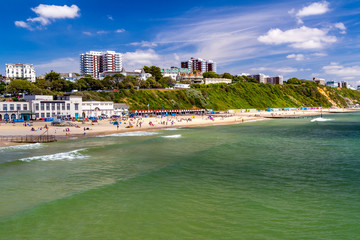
(280,179)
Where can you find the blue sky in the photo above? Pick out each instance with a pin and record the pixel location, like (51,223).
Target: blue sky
(294,38)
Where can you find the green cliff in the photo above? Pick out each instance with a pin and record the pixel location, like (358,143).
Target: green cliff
(238,95)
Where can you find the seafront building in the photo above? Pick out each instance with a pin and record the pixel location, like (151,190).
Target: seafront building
(23,71)
(181,86)
(319,81)
(173,72)
(139,73)
(15,110)
(45,106)
(216,80)
(121,109)
(92,63)
(199,64)
(278,80)
(262,78)
(97,108)
(196,77)
(332,84)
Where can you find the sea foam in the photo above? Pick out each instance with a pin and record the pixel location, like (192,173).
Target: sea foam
(130,134)
(22,147)
(72,155)
(173,136)
(321,119)
(172,129)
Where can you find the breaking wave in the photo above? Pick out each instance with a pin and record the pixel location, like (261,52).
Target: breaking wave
(321,120)
(69,156)
(131,134)
(22,147)
(173,136)
(172,129)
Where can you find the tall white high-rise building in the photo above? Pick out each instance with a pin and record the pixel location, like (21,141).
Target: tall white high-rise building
(93,63)
(26,71)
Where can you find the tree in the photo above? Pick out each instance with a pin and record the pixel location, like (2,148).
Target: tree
(2,87)
(52,76)
(152,83)
(294,80)
(227,75)
(154,71)
(43,84)
(167,82)
(19,86)
(239,79)
(211,74)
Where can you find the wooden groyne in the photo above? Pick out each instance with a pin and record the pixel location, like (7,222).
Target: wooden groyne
(29,139)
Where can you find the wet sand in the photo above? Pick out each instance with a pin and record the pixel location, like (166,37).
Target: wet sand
(106,126)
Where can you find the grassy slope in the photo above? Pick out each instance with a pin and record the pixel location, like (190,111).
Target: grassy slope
(240,95)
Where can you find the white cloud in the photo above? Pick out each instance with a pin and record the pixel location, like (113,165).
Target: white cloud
(297,57)
(316,8)
(141,58)
(110,17)
(303,37)
(87,33)
(342,71)
(144,44)
(57,12)
(340,26)
(226,37)
(62,65)
(22,24)
(49,13)
(319,54)
(102,32)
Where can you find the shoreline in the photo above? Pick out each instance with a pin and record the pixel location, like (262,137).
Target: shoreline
(105,128)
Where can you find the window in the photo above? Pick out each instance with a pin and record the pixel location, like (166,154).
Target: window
(63,106)
(42,115)
(18,107)
(48,106)
(42,107)
(76,106)
(53,114)
(58,106)
(36,106)
(37,115)
(25,107)
(68,106)
(5,107)
(11,107)
(47,115)
(53,106)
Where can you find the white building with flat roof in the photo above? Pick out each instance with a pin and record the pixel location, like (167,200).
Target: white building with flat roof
(27,71)
(97,108)
(44,106)
(217,80)
(14,110)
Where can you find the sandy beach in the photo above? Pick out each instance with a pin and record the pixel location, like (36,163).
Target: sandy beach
(106,126)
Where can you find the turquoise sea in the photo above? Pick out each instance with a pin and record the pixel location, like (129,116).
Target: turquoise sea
(278,179)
